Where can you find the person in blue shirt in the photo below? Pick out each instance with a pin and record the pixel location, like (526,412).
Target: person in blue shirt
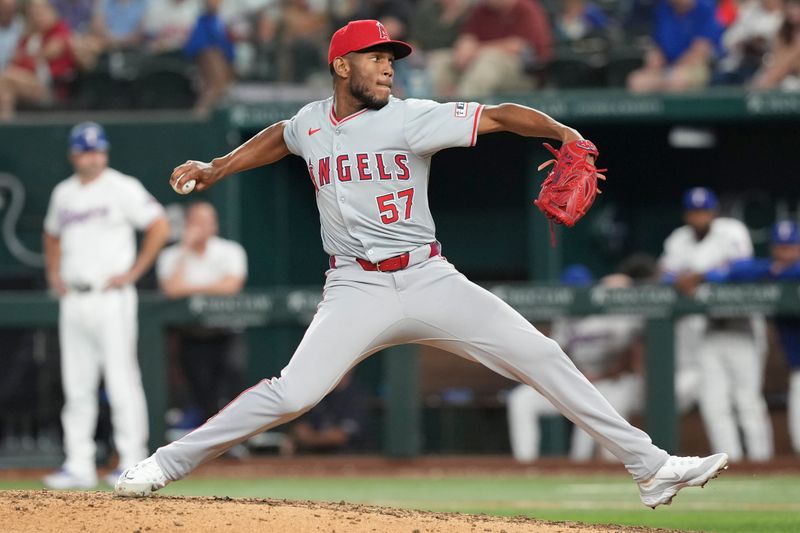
(212,48)
(782,265)
(687,38)
(580,19)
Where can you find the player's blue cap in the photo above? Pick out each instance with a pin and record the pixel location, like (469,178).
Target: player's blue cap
(577,276)
(785,232)
(700,198)
(87,137)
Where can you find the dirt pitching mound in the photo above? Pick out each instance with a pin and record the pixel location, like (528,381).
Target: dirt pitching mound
(65,512)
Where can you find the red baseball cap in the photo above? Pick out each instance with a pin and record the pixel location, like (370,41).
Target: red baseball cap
(362,34)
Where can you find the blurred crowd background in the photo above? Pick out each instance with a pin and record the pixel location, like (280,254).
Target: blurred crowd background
(124,54)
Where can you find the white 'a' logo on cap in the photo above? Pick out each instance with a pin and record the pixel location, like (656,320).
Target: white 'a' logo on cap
(699,196)
(91,135)
(382,31)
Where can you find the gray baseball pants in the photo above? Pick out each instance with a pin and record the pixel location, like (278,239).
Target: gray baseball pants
(428,303)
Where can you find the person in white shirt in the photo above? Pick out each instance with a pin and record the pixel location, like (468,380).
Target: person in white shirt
(748,40)
(204,263)
(730,352)
(92,265)
(168,23)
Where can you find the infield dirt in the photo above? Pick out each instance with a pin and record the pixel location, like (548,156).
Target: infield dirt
(65,512)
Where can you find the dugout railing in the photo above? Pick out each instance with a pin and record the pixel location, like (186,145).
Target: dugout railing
(402,417)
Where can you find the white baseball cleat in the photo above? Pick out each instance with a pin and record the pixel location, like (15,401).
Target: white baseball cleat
(679,472)
(63,479)
(142,479)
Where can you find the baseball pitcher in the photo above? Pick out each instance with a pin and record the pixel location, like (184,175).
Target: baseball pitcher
(368,157)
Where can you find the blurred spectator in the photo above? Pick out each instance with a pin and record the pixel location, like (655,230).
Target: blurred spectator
(687,39)
(502,41)
(242,19)
(78,14)
(728,11)
(436,24)
(119,23)
(784,264)
(336,424)
(783,68)
(395,15)
(203,263)
(748,39)
(607,349)
(265,43)
(168,24)
(638,17)
(433,31)
(579,19)
(296,40)
(43,64)
(212,49)
(11,28)
(730,351)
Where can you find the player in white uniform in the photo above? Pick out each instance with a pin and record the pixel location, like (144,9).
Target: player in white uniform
(368,156)
(730,352)
(606,349)
(90,252)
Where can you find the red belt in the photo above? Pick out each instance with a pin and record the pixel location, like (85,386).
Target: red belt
(393,264)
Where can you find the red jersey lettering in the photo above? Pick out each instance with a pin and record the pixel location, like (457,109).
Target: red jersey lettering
(401,160)
(343,168)
(362,164)
(324,169)
(382,174)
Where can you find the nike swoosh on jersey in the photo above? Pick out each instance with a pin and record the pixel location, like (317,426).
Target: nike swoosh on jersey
(312,131)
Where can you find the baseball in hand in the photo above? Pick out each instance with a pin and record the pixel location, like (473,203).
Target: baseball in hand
(186,188)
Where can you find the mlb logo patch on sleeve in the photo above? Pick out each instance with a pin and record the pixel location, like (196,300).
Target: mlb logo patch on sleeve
(461,110)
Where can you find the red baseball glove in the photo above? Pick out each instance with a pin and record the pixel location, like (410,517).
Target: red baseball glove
(571,186)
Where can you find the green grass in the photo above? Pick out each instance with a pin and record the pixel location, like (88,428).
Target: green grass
(746,504)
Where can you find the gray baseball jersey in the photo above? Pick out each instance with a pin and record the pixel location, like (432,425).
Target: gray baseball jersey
(370,171)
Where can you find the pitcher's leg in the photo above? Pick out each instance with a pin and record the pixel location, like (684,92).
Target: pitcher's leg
(525,407)
(468,320)
(582,446)
(350,324)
